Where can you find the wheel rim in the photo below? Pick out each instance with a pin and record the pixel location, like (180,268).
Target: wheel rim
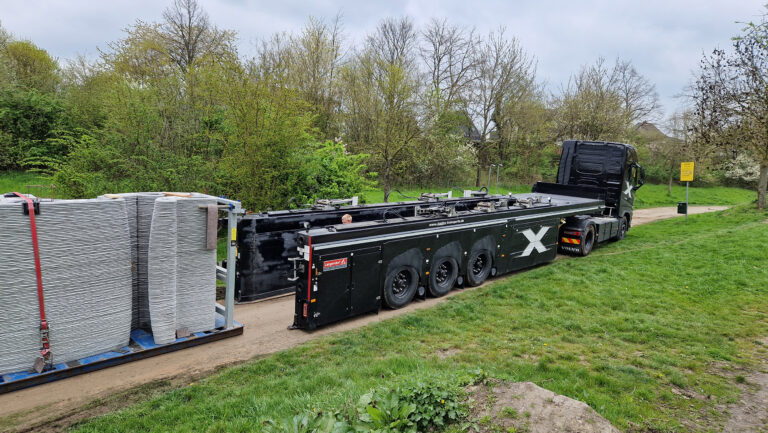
(479,264)
(443,272)
(400,283)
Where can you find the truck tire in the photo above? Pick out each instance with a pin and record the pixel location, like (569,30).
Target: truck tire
(478,267)
(587,241)
(622,233)
(400,286)
(442,276)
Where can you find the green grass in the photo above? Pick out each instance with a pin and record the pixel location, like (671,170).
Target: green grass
(15,181)
(648,195)
(669,307)
(656,196)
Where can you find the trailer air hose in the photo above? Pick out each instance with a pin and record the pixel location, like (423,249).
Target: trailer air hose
(406,196)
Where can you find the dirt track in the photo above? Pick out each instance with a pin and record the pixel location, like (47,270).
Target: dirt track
(265,332)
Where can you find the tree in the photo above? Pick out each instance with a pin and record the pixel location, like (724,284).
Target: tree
(524,132)
(731,97)
(503,70)
(315,58)
(604,103)
(380,101)
(450,59)
(188,34)
(32,67)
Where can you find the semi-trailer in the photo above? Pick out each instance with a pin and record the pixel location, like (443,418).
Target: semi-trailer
(344,270)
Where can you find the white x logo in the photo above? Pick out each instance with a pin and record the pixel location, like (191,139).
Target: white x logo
(628,192)
(535,241)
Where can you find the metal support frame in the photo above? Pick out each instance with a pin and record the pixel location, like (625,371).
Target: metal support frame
(233,209)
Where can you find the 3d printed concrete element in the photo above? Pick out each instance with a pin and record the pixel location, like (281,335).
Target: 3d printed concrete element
(85,259)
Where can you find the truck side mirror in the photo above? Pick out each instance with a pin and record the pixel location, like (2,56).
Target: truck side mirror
(639,176)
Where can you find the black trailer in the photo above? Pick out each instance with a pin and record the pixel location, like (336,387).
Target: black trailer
(343,270)
(266,241)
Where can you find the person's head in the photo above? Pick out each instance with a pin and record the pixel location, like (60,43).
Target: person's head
(346,219)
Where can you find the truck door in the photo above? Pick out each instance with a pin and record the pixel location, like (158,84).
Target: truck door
(633,178)
(365,285)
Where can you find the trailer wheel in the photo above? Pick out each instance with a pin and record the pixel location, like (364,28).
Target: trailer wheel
(587,241)
(442,276)
(400,286)
(478,267)
(622,229)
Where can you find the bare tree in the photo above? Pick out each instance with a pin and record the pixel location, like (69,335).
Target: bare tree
(394,42)
(450,60)
(188,33)
(502,67)
(640,100)
(603,102)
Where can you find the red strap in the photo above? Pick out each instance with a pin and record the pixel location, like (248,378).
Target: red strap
(38,273)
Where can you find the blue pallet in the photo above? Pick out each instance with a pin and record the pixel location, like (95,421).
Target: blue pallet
(142,345)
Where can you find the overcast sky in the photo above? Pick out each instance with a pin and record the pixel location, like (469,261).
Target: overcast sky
(663,38)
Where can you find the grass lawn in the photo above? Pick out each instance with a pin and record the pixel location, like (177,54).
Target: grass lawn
(16,181)
(648,195)
(628,330)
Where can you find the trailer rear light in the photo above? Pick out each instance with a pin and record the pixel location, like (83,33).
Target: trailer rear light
(306,310)
(571,233)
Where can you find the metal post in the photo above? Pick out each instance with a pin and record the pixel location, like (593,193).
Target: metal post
(497,177)
(229,297)
(686,201)
(489,177)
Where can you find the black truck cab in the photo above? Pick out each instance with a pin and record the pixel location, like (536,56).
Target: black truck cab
(611,168)
(600,170)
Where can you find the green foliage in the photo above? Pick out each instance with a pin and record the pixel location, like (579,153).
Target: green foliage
(33,68)
(425,405)
(28,119)
(437,403)
(315,422)
(386,411)
(335,173)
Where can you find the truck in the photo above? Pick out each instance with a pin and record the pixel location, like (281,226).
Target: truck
(345,270)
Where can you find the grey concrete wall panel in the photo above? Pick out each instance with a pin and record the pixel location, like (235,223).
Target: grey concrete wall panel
(196,267)
(85,253)
(161,272)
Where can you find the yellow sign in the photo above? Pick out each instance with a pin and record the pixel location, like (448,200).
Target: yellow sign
(686,171)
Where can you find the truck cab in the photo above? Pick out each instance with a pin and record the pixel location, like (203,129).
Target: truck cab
(610,167)
(597,169)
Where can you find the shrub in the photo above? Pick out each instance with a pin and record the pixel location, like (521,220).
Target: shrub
(429,404)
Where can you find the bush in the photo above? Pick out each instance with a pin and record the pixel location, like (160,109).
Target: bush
(430,404)
(28,120)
